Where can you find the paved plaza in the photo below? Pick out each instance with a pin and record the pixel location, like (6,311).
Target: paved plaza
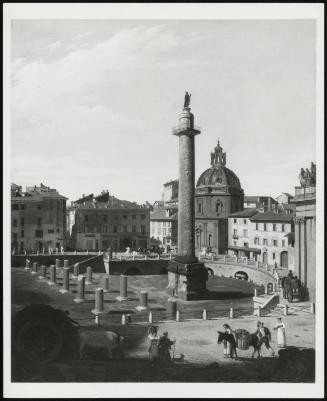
(197,354)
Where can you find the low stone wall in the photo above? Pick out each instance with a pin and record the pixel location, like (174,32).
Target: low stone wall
(227,269)
(135,267)
(96,261)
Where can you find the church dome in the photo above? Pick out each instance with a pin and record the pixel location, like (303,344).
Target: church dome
(218,174)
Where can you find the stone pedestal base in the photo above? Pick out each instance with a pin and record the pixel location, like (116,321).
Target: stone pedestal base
(187,280)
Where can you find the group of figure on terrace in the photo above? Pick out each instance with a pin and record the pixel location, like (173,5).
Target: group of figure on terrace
(308,177)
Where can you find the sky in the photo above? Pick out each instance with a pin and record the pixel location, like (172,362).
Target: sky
(94,102)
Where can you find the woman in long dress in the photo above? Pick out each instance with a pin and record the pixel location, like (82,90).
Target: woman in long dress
(281,334)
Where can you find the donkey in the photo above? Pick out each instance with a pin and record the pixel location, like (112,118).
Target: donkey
(253,342)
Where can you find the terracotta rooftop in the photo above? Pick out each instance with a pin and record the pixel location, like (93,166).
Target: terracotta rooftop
(272,216)
(247,212)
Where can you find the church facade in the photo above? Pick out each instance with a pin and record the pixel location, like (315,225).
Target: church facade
(218,193)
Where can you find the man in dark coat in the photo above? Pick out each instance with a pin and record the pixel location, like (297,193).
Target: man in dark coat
(164,347)
(264,336)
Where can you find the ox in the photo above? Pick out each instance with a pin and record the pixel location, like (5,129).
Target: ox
(100,339)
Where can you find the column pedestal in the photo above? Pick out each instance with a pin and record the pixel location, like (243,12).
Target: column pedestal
(187,280)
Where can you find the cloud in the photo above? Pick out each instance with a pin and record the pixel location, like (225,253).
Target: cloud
(54,45)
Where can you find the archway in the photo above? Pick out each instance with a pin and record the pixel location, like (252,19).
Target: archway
(264,257)
(210,271)
(284,259)
(241,276)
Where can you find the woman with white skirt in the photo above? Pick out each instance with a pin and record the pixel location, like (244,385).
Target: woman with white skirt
(281,333)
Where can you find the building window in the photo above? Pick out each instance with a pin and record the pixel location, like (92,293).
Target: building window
(51,205)
(245,233)
(105,229)
(283,227)
(274,255)
(86,217)
(199,208)
(283,243)
(134,216)
(39,233)
(39,207)
(22,233)
(264,227)
(235,231)
(125,216)
(50,231)
(22,207)
(275,242)
(114,228)
(257,226)
(217,207)
(246,244)
(86,229)
(14,206)
(265,241)
(143,229)
(15,236)
(125,229)
(235,221)
(14,222)
(51,219)
(58,230)
(274,227)
(58,204)
(134,229)
(143,216)
(39,221)
(256,241)
(105,219)
(244,221)
(235,243)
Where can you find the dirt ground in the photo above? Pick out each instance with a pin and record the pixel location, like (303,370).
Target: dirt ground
(198,357)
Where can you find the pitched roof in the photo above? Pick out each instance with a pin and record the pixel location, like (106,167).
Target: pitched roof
(272,216)
(160,214)
(257,198)
(247,212)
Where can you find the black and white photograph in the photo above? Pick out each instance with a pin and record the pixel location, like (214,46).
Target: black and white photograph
(163,200)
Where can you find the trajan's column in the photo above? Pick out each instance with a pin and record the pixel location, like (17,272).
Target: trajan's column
(186,275)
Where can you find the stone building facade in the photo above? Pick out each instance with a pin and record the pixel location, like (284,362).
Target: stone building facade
(164,217)
(305,230)
(218,193)
(97,223)
(266,237)
(38,219)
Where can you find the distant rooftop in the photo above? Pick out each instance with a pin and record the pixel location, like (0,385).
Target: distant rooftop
(247,212)
(105,201)
(35,193)
(272,216)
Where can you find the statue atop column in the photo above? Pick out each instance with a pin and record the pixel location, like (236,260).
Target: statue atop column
(187,99)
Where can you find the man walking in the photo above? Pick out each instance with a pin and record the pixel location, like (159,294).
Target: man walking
(264,336)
